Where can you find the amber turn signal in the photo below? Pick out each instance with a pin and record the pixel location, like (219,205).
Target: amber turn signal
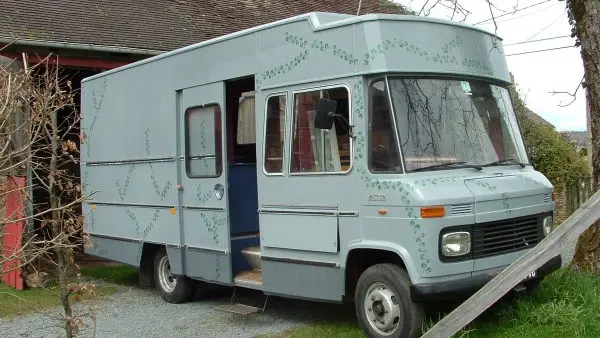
(433,212)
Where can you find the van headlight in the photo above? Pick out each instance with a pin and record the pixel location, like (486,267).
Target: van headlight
(547,225)
(456,244)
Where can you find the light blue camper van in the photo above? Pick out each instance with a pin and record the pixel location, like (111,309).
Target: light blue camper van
(374,159)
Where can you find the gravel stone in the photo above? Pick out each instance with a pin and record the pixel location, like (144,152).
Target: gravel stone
(140,312)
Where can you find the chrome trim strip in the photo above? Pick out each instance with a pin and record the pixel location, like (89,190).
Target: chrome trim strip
(206,250)
(395,120)
(348,213)
(132,161)
(298,212)
(139,205)
(173,246)
(114,238)
(264,140)
(300,261)
(190,207)
(306,211)
(201,157)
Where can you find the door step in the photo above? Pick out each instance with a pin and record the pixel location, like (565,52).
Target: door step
(249,278)
(242,309)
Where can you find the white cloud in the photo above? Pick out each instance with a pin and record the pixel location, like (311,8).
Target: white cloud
(536,74)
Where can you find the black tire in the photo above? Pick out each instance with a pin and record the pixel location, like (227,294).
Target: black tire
(182,288)
(410,316)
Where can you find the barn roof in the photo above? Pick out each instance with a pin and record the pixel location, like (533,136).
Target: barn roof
(155,25)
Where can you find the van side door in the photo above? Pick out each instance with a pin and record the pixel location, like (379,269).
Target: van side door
(205,230)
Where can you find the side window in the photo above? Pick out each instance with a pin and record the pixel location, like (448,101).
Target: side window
(383,148)
(203,151)
(274,134)
(316,150)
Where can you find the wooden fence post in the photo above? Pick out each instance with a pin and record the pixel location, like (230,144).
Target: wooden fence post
(567,232)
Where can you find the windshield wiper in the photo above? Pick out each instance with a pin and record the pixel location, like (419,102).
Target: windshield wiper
(445,164)
(523,165)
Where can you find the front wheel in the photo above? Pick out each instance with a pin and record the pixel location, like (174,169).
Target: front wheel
(383,304)
(172,288)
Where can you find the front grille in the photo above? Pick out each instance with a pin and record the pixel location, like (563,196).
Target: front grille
(505,236)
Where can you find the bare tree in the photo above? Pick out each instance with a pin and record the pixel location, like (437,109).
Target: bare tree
(38,122)
(584,17)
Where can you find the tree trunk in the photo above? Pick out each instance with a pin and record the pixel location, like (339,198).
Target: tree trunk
(584,16)
(57,231)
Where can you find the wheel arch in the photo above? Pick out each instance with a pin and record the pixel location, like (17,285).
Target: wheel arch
(365,254)
(146,273)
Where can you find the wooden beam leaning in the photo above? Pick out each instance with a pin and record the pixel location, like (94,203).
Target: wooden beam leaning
(570,230)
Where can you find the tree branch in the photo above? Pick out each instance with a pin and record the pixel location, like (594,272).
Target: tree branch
(573,94)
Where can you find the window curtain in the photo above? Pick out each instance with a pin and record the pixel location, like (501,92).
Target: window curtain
(246,128)
(303,153)
(325,148)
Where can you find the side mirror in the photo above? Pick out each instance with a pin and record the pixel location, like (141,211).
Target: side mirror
(324,113)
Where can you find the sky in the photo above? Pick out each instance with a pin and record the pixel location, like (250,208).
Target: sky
(536,74)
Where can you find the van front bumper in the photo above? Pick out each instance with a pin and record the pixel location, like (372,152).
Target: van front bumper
(465,287)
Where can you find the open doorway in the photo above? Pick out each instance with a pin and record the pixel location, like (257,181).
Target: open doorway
(242,170)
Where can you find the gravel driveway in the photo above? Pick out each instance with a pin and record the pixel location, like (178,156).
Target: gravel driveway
(137,312)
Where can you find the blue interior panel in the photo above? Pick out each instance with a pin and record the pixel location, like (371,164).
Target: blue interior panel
(243,199)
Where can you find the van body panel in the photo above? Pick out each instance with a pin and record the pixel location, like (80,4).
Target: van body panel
(293,231)
(139,165)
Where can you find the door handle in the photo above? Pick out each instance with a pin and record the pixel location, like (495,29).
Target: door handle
(219,191)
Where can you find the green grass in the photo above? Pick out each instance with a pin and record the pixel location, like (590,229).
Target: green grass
(14,302)
(124,275)
(567,304)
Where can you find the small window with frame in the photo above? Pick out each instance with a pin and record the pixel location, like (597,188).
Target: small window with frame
(274,133)
(317,150)
(384,155)
(203,149)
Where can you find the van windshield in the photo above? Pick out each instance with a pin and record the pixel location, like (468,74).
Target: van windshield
(443,124)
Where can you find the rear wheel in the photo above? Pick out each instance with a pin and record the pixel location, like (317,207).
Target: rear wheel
(172,288)
(383,304)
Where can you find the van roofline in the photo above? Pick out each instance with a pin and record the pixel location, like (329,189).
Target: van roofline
(314,21)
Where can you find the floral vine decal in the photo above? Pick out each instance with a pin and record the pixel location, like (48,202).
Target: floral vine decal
(403,188)
(212,225)
(92,221)
(442,56)
(505,204)
(288,66)
(359,105)
(415,227)
(162,193)
(98,102)
(142,233)
(485,185)
(122,189)
(203,197)
(322,46)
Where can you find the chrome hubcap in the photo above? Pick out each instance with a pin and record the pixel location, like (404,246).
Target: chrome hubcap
(165,277)
(382,309)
